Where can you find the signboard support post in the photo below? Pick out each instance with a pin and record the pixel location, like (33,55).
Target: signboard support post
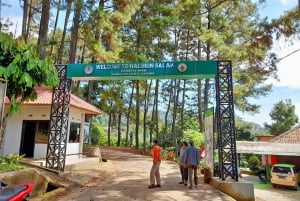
(59,122)
(225,122)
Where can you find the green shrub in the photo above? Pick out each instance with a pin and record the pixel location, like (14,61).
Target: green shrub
(11,163)
(97,132)
(254,163)
(196,136)
(244,164)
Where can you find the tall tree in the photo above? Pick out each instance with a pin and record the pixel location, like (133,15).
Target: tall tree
(43,31)
(25,20)
(137,113)
(284,117)
(58,9)
(129,111)
(147,93)
(60,54)
(74,32)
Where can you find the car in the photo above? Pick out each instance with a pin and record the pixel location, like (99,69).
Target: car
(285,174)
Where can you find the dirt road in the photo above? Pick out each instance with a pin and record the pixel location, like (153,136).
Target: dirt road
(125,177)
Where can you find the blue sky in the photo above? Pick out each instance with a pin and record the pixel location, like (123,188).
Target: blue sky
(289,69)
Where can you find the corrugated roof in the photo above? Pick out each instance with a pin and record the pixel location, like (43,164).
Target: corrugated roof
(44,97)
(291,136)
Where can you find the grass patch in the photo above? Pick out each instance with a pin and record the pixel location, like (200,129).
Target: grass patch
(10,163)
(10,167)
(262,186)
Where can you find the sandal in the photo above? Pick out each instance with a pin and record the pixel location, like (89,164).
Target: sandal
(152,186)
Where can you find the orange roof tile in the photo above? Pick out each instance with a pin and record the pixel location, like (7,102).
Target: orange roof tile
(291,136)
(44,97)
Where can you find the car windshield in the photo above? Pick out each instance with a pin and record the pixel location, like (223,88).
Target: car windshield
(278,169)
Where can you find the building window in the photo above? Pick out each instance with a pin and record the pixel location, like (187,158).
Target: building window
(74,135)
(41,135)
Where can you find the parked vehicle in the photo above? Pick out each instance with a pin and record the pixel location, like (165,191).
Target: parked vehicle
(285,175)
(15,193)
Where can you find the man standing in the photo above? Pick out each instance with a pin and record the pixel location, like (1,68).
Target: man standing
(192,162)
(154,173)
(183,168)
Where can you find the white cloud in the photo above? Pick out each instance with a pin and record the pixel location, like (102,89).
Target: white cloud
(16,27)
(288,68)
(284,2)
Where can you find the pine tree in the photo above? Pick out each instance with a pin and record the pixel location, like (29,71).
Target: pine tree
(283,117)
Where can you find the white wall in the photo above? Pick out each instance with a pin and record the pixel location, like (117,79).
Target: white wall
(268,148)
(40,151)
(12,139)
(75,148)
(13,133)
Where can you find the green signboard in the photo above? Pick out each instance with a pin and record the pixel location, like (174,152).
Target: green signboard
(143,70)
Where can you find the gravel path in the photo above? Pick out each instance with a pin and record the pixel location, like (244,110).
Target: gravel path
(125,177)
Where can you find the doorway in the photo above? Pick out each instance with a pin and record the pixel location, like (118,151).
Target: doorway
(28,138)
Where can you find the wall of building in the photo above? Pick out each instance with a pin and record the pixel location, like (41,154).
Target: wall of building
(13,134)
(268,148)
(289,159)
(13,131)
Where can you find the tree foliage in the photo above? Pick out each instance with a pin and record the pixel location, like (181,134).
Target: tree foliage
(23,70)
(243,131)
(155,30)
(283,116)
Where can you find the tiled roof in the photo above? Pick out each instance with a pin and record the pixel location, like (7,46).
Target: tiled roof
(44,97)
(291,136)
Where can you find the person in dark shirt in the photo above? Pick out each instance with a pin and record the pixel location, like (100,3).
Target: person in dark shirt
(183,168)
(192,160)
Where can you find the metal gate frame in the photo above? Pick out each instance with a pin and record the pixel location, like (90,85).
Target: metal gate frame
(225,122)
(59,122)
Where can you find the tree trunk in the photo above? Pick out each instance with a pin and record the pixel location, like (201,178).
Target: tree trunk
(62,42)
(146,108)
(119,128)
(167,113)
(184,86)
(128,114)
(109,127)
(25,25)
(182,106)
(156,108)
(208,50)
(82,55)
(43,31)
(119,122)
(175,102)
(154,115)
(206,93)
(29,18)
(75,28)
(97,37)
(200,108)
(55,25)
(137,117)
(199,94)
(145,116)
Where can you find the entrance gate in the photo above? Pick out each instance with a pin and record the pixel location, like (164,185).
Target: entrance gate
(220,70)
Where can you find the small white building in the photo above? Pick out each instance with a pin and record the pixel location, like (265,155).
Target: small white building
(27,132)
